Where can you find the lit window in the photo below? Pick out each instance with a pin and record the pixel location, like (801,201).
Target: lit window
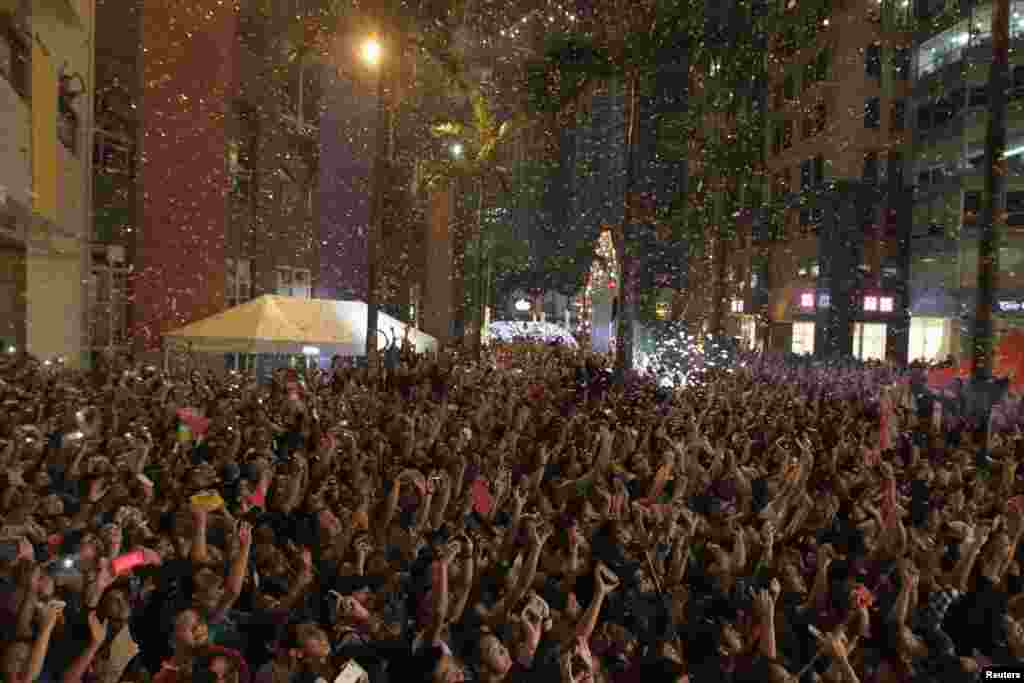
(869,341)
(737,305)
(815,270)
(871,303)
(885,304)
(807,300)
(927,338)
(803,338)
(661,310)
(824,300)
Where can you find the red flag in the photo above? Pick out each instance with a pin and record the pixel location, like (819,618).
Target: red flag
(194,421)
(885,439)
(483,501)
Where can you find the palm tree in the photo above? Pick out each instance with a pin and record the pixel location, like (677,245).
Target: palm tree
(984,392)
(477,145)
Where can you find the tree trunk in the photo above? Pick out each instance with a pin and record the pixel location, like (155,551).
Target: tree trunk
(991,217)
(477,314)
(899,202)
(716,327)
(983,393)
(628,280)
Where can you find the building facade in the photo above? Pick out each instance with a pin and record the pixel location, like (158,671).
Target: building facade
(815,234)
(950,100)
(46,78)
(234,168)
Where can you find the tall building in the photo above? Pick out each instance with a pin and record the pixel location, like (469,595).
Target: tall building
(950,102)
(823,252)
(231,162)
(46,84)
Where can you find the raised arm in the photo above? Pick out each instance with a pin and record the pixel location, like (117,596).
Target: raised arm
(440,479)
(239,567)
(41,645)
(81,663)
(466,580)
(528,572)
(441,597)
(199,553)
(604,583)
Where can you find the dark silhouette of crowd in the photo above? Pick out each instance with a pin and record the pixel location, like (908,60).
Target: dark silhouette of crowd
(446,520)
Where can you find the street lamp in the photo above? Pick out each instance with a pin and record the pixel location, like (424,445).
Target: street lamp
(457,150)
(373,53)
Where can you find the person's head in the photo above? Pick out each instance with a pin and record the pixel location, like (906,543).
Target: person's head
(208,590)
(437,665)
(307,641)
(52,506)
(190,630)
(114,605)
(494,657)
(220,669)
(14,664)
(41,479)
(661,669)
(730,641)
(330,525)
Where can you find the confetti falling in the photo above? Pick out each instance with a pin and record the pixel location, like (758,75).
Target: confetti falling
(570,124)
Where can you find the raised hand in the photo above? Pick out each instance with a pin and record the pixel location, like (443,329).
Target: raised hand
(25,549)
(306,568)
(52,613)
(539,534)
(607,580)
(353,609)
(448,553)
(835,644)
(97,489)
(764,604)
(519,496)
(97,628)
(245,535)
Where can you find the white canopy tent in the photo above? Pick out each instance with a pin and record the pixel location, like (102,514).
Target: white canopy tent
(289,325)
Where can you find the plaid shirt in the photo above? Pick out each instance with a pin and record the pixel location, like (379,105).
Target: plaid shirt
(931,616)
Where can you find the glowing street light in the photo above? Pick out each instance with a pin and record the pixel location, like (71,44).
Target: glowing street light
(457,150)
(523,305)
(372,51)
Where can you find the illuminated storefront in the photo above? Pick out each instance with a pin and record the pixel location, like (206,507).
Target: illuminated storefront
(929,338)
(870,327)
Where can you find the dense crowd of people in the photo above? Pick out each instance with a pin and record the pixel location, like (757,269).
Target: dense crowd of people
(456,521)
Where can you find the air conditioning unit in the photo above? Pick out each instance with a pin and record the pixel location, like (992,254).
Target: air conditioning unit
(115,254)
